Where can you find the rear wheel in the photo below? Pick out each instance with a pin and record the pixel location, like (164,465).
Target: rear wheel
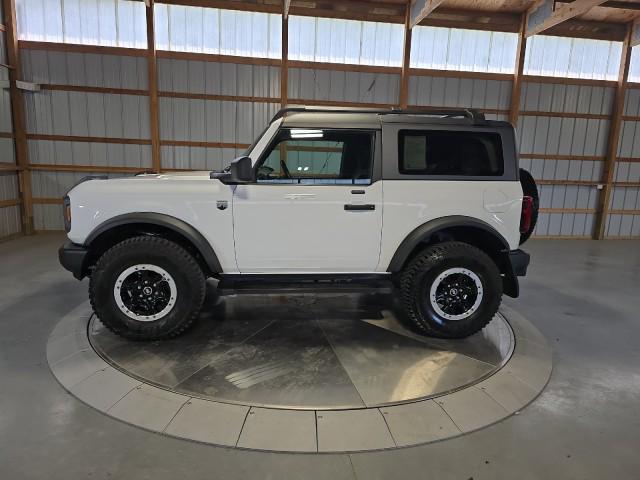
(147,288)
(450,290)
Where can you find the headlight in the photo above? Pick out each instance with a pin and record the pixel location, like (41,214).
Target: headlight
(66,206)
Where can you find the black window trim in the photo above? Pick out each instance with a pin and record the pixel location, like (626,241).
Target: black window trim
(376,166)
(390,169)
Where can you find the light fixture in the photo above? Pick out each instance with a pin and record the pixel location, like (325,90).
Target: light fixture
(297,133)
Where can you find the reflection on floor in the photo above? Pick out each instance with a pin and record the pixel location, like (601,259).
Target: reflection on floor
(307,351)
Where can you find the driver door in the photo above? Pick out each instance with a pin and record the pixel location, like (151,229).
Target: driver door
(315,207)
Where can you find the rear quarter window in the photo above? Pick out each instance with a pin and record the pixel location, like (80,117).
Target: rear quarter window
(450,153)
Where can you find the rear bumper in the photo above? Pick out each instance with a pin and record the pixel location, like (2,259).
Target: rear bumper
(73,258)
(519,262)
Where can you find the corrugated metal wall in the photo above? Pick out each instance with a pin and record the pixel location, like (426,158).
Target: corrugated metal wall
(461,92)
(309,84)
(82,114)
(209,120)
(577,147)
(622,223)
(10,223)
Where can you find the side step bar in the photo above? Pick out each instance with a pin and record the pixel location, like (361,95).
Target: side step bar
(304,283)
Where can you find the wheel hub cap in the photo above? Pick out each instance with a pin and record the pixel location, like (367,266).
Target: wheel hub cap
(145,292)
(456,293)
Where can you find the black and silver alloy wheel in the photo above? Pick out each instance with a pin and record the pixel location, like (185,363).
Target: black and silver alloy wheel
(450,290)
(456,293)
(145,292)
(147,288)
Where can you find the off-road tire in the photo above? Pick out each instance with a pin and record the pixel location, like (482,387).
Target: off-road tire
(183,268)
(529,189)
(419,275)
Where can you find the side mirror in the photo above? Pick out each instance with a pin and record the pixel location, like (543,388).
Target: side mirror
(242,170)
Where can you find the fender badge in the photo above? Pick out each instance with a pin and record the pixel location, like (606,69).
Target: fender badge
(222,204)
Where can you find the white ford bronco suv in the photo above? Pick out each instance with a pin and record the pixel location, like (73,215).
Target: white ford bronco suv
(430,203)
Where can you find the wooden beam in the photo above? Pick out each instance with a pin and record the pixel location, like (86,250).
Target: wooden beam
(286,4)
(152,64)
(420,9)
(614,136)
(543,15)
(516,89)
(80,48)
(406,58)
(17,111)
(9,203)
(75,138)
(284,68)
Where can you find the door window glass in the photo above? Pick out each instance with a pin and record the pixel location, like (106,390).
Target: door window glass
(318,157)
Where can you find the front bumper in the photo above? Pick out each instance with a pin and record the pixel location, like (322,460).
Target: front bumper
(73,258)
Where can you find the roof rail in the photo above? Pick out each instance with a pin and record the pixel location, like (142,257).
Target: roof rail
(476,117)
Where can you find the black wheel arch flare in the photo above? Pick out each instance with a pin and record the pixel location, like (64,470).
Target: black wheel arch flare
(461,228)
(175,225)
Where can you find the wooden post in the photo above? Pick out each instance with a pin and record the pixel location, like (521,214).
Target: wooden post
(17,110)
(609,169)
(154,122)
(284,69)
(514,108)
(406,58)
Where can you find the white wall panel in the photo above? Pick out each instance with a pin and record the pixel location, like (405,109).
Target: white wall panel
(87,114)
(198,158)
(7,151)
(459,92)
(8,186)
(9,221)
(565,224)
(48,217)
(89,153)
(548,97)
(218,78)
(213,120)
(87,69)
(312,84)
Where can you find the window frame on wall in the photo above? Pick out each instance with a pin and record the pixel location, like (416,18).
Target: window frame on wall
(215,38)
(543,49)
(449,44)
(368,50)
(73,21)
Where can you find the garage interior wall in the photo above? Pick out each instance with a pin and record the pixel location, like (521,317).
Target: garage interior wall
(218,86)
(10,222)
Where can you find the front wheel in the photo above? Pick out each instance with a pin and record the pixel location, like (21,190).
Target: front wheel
(147,288)
(450,290)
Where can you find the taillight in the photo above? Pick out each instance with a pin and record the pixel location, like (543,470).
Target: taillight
(66,206)
(527,214)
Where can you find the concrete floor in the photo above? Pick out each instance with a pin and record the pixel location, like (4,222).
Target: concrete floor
(582,295)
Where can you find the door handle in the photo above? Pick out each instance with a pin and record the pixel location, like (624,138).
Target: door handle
(360,206)
(299,196)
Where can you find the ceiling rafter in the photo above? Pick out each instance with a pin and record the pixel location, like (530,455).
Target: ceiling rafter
(544,14)
(420,9)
